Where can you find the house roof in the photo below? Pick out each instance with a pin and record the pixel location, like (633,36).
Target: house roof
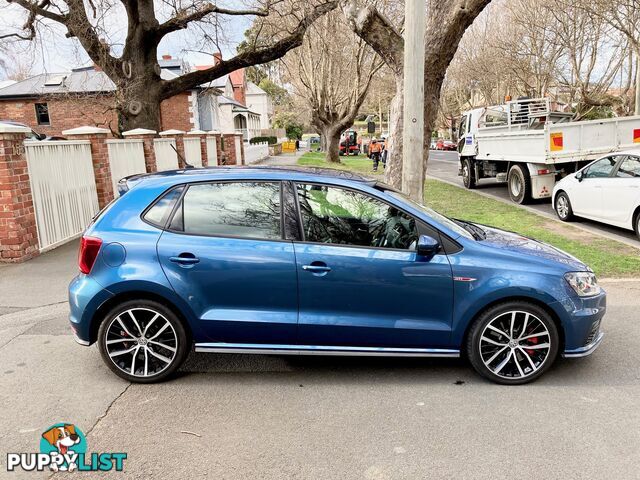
(6,83)
(253,89)
(81,80)
(222,100)
(237,77)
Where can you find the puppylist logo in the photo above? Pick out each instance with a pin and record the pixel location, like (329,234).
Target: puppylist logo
(63,447)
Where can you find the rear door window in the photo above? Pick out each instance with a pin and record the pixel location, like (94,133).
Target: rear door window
(629,167)
(233,209)
(159,212)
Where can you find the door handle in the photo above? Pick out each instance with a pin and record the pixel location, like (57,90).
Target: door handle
(185,259)
(317,267)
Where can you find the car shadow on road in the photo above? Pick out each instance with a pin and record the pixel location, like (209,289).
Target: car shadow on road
(348,369)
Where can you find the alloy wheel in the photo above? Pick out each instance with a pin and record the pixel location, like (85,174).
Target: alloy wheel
(141,342)
(515,345)
(562,207)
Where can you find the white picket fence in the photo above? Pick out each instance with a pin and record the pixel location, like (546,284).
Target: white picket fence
(192,151)
(63,189)
(166,156)
(255,153)
(126,157)
(212,151)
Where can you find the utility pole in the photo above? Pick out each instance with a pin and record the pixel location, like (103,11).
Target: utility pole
(413,118)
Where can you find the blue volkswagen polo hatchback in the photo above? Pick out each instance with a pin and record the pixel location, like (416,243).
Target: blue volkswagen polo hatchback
(318,262)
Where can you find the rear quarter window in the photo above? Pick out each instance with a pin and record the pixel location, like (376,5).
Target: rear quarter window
(158,213)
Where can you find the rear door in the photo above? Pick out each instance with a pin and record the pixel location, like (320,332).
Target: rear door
(224,254)
(360,282)
(621,194)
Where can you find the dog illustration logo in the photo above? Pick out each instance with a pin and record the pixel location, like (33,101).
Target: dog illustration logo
(66,440)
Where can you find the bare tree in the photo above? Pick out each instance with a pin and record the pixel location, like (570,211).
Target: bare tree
(447,21)
(135,71)
(332,70)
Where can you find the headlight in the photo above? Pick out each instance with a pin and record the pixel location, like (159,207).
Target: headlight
(584,284)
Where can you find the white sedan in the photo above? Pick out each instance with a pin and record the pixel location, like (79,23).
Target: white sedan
(607,190)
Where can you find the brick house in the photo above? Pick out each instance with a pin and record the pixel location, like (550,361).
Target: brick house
(50,103)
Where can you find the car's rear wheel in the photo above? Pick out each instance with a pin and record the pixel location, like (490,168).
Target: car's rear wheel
(637,224)
(142,341)
(563,207)
(519,184)
(513,343)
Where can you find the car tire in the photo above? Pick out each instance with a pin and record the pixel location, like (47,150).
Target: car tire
(636,223)
(507,358)
(468,174)
(563,207)
(153,339)
(519,184)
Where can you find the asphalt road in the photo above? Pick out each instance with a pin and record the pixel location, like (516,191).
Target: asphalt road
(241,416)
(444,166)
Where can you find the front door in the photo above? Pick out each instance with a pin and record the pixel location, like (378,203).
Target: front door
(586,196)
(622,192)
(360,282)
(225,256)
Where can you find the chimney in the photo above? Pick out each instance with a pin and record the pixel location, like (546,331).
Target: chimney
(166,56)
(217,58)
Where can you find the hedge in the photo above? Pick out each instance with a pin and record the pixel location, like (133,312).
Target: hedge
(269,140)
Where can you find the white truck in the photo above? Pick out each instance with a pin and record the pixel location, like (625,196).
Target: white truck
(527,145)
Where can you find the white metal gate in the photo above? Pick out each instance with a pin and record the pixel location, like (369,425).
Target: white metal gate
(212,151)
(63,188)
(166,156)
(238,140)
(192,151)
(126,157)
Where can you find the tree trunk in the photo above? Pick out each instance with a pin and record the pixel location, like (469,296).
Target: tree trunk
(333,145)
(140,109)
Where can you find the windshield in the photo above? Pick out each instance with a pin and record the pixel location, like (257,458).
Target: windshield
(445,221)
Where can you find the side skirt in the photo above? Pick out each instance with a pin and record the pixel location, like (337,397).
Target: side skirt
(323,350)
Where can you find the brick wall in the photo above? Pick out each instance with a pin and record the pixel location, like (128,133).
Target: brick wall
(70,112)
(64,113)
(175,114)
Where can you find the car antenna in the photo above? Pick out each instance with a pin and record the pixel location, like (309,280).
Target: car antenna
(184,160)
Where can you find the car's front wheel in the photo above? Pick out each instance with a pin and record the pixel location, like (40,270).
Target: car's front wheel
(563,207)
(142,341)
(513,343)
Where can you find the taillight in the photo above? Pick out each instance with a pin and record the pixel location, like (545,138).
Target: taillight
(89,248)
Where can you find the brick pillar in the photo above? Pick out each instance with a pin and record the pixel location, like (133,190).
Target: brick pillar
(179,137)
(18,233)
(230,148)
(99,157)
(202,135)
(147,137)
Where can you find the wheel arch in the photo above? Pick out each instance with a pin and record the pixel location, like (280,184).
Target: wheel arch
(634,220)
(109,304)
(537,302)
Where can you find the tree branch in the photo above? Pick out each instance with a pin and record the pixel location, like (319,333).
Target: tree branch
(183,17)
(249,58)
(377,31)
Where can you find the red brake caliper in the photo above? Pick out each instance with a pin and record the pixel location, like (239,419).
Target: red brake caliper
(533,340)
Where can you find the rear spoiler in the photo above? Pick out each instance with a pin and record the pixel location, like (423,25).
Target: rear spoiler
(127,183)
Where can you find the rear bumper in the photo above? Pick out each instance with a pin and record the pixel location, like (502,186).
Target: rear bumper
(85,296)
(586,350)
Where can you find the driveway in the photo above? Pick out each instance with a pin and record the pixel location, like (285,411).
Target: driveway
(241,416)
(444,166)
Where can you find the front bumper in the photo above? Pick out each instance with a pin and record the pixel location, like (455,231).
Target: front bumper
(586,350)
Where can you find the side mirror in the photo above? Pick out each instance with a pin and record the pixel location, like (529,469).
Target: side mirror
(427,246)
(579,176)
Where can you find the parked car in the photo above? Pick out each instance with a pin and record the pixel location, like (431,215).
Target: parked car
(32,135)
(607,190)
(313,261)
(448,145)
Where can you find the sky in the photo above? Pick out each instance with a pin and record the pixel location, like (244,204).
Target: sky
(56,53)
